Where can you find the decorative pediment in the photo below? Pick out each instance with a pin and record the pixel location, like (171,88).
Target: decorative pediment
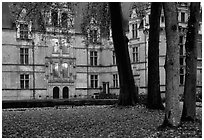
(22,15)
(134,14)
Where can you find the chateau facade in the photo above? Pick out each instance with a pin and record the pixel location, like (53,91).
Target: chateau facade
(61,63)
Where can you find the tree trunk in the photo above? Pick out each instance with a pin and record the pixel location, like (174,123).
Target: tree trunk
(189,106)
(154,95)
(128,91)
(172,111)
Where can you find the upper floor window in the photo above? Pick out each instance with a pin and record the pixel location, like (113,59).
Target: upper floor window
(65,70)
(181,76)
(182,17)
(56,72)
(181,39)
(115,80)
(56,47)
(93,58)
(135,54)
(114,58)
(93,36)
(24,81)
(54,16)
(64,20)
(181,50)
(24,31)
(134,31)
(162,19)
(24,56)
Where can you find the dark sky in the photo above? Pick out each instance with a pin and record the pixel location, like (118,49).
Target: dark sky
(125,9)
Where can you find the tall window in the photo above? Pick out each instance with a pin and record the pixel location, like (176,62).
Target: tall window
(24,31)
(56,70)
(24,81)
(93,36)
(64,20)
(54,18)
(162,19)
(115,80)
(114,58)
(181,76)
(94,81)
(24,56)
(93,58)
(180,39)
(182,17)
(134,30)
(181,50)
(65,70)
(135,54)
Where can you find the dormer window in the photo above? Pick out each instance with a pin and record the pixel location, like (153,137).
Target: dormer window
(24,31)
(64,20)
(134,30)
(93,31)
(54,18)
(23,26)
(93,36)
(182,17)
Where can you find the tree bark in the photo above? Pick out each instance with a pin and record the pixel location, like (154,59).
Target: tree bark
(172,111)
(128,91)
(189,106)
(154,96)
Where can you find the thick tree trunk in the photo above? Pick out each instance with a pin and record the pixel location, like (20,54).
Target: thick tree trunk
(172,111)
(189,106)
(128,91)
(154,95)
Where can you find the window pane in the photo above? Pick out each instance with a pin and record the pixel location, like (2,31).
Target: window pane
(26,50)
(21,50)
(26,84)
(22,59)
(64,19)
(182,17)
(22,84)
(26,59)
(181,71)
(22,77)
(181,61)
(181,79)
(54,18)
(26,76)
(181,49)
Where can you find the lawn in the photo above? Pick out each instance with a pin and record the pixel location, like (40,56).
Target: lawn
(91,121)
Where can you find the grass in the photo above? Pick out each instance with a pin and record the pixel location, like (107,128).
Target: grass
(91,121)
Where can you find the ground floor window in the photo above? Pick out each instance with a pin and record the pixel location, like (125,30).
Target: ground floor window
(115,81)
(24,81)
(94,81)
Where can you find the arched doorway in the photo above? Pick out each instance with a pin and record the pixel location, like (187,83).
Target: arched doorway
(65,93)
(55,93)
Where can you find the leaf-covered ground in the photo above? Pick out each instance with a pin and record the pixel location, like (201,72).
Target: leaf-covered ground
(92,121)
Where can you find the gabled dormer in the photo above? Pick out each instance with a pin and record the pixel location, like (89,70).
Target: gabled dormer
(23,26)
(135,23)
(93,31)
(59,17)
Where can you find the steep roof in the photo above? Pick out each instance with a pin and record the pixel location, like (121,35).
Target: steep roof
(7,19)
